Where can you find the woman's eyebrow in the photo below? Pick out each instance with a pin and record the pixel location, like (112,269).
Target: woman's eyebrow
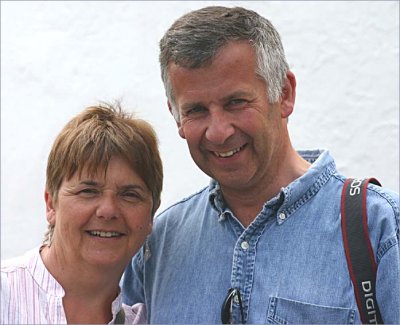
(89,182)
(132,187)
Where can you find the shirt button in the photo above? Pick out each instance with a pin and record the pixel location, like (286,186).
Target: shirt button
(282,216)
(245,245)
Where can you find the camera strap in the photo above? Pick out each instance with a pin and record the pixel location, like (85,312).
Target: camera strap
(357,245)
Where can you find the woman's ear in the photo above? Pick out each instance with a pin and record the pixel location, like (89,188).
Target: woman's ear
(50,211)
(288,96)
(149,227)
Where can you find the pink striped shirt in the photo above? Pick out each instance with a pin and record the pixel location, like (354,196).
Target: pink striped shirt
(30,295)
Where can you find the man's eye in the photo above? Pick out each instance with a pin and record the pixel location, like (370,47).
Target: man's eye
(195,110)
(130,194)
(237,102)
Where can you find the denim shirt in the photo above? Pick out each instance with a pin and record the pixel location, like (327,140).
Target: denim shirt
(289,263)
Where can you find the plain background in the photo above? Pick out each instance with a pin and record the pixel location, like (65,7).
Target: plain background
(59,57)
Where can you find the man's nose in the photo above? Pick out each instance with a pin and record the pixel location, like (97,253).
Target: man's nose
(219,128)
(108,207)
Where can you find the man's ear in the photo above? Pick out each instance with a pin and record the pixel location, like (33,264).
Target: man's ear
(288,96)
(50,211)
(178,123)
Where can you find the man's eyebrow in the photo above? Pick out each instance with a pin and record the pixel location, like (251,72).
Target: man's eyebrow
(190,105)
(236,94)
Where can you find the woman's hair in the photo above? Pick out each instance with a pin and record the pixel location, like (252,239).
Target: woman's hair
(195,38)
(90,139)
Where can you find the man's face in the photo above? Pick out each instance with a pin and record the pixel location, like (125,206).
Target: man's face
(233,133)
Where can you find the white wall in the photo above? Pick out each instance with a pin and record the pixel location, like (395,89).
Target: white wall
(58,57)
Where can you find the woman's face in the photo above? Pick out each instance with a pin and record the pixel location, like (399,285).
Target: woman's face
(101,220)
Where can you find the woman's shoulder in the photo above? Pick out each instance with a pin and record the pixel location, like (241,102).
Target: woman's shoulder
(20,262)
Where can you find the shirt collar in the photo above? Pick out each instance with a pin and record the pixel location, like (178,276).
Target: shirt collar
(50,285)
(215,196)
(306,186)
(296,193)
(116,306)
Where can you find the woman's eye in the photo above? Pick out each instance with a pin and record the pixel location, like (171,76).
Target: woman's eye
(130,196)
(88,192)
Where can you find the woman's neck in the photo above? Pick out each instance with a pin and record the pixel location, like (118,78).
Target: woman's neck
(89,289)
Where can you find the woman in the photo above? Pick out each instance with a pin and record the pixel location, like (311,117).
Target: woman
(103,186)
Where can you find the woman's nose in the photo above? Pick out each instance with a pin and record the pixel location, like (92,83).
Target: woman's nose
(108,207)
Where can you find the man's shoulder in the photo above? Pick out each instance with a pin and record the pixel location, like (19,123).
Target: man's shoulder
(190,199)
(385,195)
(384,204)
(184,208)
(177,223)
(380,195)
(383,217)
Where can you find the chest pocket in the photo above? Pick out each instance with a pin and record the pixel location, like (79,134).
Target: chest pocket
(284,311)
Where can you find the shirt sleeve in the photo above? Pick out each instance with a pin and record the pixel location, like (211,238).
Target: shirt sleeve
(4,300)
(385,206)
(132,281)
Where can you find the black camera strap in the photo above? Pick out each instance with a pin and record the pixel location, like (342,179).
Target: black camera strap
(357,245)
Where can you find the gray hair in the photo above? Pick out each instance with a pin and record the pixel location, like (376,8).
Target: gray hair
(194,39)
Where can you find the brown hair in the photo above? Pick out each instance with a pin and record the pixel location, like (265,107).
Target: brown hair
(93,137)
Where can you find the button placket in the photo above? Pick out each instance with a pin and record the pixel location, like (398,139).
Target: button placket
(245,245)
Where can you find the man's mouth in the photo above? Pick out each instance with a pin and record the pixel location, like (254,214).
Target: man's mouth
(104,234)
(229,153)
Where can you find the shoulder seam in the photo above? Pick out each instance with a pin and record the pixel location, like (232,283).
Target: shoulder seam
(385,247)
(183,200)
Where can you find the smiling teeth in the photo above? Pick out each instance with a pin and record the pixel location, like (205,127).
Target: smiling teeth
(105,234)
(228,153)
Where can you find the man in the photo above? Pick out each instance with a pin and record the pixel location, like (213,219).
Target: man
(263,242)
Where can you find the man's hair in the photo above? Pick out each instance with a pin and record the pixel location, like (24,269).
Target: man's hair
(90,139)
(194,39)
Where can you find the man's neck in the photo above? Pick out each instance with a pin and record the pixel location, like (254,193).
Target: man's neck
(247,203)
